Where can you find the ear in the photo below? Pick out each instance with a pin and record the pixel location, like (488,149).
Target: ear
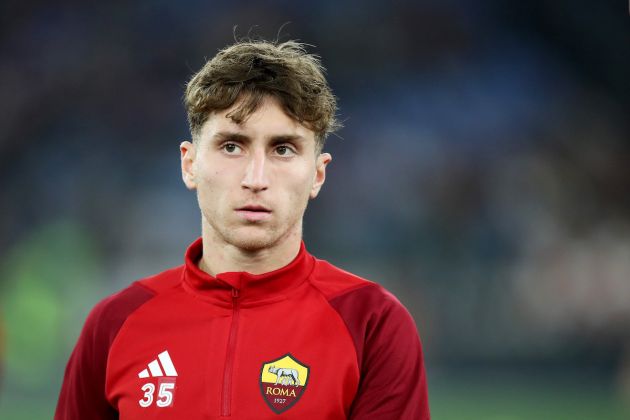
(320,173)
(188,152)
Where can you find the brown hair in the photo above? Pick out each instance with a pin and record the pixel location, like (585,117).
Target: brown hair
(250,70)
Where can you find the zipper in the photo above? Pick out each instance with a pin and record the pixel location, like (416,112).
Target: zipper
(226,397)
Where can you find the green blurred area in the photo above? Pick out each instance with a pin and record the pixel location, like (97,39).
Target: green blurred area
(516,398)
(51,279)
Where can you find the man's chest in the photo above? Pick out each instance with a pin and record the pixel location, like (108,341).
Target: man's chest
(198,362)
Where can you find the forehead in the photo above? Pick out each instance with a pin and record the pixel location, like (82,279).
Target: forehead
(268,120)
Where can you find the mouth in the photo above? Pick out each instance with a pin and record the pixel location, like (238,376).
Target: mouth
(254,208)
(254,213)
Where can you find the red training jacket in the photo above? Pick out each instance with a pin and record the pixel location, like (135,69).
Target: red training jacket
(307,341)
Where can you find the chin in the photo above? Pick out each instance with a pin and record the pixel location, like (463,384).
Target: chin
(252,241)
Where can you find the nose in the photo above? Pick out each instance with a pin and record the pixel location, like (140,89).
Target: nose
(255,178)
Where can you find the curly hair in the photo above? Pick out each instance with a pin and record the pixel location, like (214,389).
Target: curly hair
(247,71)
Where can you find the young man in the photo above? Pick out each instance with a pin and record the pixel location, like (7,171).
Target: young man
(251,326)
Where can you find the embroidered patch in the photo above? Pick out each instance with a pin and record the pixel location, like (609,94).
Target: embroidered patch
(282,382)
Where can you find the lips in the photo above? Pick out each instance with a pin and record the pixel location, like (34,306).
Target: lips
(254,213)
(255,208)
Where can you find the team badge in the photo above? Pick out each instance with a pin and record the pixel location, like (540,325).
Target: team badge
(282,382)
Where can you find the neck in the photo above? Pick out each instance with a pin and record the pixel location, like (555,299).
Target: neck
(220,256)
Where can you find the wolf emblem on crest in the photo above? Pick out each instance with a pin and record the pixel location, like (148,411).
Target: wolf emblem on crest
(285,376)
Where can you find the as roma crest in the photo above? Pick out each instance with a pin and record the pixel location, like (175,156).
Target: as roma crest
(282,382)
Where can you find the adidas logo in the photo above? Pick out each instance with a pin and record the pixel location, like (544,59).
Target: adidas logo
(164,367)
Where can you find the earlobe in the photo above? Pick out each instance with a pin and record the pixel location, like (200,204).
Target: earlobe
(187,150)
(320,173)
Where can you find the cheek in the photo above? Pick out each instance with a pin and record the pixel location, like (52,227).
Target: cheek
(212,188)
(301,188)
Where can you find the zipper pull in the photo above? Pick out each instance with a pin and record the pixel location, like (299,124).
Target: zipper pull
(234,293)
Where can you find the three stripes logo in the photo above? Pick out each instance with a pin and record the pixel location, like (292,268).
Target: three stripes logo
(154,367)
(163,369)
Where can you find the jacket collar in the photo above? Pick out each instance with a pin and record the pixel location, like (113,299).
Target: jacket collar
(249,288)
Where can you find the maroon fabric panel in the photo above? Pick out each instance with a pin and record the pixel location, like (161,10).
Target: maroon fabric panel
(393,381)
(82,393)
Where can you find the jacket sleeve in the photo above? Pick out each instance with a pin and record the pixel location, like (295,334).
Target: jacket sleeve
(393,381)
(82,393)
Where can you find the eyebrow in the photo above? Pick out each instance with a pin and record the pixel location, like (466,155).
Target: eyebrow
(226,135)
(287,138)
(231,136)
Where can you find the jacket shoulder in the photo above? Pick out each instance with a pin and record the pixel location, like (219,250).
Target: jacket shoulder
(109,314)
(354,295)
(163,281)
(115,308)
(333,281)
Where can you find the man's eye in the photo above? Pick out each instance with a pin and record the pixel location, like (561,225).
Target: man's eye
(284,151)
(231,148)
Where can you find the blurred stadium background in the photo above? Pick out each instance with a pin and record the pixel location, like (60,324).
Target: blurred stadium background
(482,175)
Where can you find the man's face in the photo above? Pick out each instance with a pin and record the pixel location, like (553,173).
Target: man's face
(253,179)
